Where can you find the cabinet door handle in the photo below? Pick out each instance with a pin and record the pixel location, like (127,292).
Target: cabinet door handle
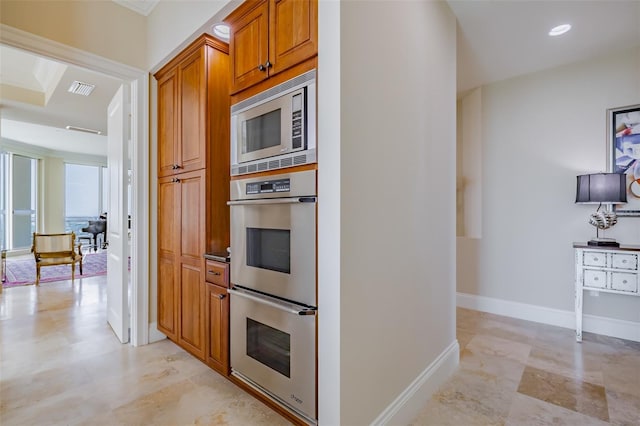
(175,180)
(221,296)
(268,64)
(261,67)
(213,272)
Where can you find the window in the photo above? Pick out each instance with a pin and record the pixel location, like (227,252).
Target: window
(18,180)
(85,198)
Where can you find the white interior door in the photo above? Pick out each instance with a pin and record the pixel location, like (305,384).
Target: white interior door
(117,220)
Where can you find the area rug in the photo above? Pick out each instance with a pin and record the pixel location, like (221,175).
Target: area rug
(23,271)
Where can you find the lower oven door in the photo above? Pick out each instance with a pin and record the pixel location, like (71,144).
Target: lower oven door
(273,348)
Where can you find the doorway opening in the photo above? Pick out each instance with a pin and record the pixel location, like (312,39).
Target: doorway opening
(137,81)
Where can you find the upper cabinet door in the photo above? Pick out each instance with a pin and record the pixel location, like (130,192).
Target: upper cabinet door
(193,103)
(270,36)
(167,124)
(249,44)
(293,35)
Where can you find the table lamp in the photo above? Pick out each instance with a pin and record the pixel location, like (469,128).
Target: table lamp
(602,188)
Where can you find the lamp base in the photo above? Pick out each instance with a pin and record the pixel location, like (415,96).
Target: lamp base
(603,242)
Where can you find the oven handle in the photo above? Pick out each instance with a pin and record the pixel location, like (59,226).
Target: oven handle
(283,306)
(273,201)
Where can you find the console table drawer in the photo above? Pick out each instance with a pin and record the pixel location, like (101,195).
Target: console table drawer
(605,269)
(624,281)
(597,279)
(594,259)
(625,261)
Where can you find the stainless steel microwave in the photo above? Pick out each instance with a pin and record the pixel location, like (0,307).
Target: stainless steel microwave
(275,128)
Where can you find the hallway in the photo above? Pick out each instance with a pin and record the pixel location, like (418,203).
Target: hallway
(60,363)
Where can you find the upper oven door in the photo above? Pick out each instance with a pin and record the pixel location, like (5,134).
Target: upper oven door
(273,240)
(273,247)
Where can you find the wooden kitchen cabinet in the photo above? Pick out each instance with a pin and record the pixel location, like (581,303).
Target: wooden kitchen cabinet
(270,36)
(181,225)
(193,185)
(168,246)
(218,319)
(181,116)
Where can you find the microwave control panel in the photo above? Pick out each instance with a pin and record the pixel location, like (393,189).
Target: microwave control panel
(297,115)
(269,186)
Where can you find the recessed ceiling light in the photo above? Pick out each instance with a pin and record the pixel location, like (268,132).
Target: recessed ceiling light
(559,30)
(221,30)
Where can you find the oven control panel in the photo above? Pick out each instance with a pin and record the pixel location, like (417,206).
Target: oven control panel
(269,186)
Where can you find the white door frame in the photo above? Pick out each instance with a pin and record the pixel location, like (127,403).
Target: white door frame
(139,83)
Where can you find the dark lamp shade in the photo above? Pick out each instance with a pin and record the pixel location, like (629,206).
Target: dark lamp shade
(601,188)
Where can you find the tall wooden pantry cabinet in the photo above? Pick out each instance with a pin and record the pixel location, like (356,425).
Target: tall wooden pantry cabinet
(193,186)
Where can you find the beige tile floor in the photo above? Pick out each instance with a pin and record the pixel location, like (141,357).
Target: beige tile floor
(61,365)
(515,372)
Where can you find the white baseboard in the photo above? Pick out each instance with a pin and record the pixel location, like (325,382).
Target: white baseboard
(409,403)
(628,330)
(154,334)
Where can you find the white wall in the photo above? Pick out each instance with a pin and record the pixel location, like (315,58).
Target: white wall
(396,200)
(186,20)
(539,132)
(103,28)
(329,177)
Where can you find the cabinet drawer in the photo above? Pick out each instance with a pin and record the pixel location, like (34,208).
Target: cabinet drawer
(597,279)
(624,281)
(216,273)
(625,261)
(594,258)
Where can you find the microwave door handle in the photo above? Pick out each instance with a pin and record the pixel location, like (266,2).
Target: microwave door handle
(272,201)
(283,306)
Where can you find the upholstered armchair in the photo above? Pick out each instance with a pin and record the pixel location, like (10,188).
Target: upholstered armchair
(56,249)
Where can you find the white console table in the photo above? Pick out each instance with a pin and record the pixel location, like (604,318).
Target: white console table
(605,269)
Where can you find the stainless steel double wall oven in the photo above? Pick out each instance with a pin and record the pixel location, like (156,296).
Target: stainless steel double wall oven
(273,298)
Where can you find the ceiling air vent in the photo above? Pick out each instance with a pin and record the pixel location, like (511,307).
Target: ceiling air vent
(80,88)
(82,129)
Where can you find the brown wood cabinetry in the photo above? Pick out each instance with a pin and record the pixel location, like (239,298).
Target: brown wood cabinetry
(181,116)
(217,317)
(270,36)
(193,186)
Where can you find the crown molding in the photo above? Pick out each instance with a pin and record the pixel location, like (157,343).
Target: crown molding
(143,7)
(20,39)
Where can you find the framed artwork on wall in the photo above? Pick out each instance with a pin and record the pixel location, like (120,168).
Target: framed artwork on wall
(623,126)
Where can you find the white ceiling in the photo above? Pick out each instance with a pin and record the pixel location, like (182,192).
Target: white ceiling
(502,39)
(34,93)
(496,40)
